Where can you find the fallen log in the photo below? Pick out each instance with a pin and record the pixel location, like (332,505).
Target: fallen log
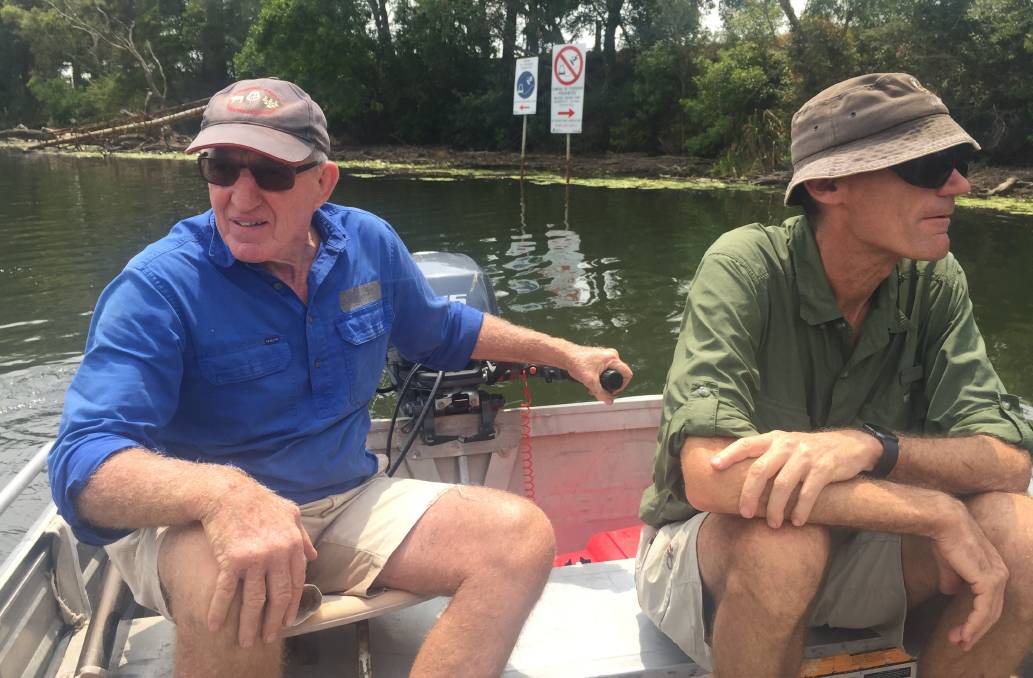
(78,138)
(130,117)
(25,133)
(1003,187)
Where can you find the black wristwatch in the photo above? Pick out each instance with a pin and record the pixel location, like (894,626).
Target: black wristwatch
(890,449)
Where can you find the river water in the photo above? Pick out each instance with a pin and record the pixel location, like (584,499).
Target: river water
(598,266)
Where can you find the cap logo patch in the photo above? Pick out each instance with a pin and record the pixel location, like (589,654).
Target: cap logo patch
(254,101)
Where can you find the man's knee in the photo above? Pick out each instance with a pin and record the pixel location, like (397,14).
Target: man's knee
(523,536)
(188,573)
(1007,521)
(780,569)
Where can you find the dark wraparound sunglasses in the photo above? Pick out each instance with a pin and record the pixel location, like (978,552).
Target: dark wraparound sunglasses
(935,169)
(270,176)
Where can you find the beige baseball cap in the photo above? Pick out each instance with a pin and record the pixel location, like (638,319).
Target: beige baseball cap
(271,116)
(868,123)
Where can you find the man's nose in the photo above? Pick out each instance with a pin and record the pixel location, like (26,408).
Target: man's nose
(956,185)
(246,193)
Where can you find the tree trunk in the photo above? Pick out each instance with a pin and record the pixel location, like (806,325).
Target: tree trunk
(532,30)
(214,60)
(613,22)
(78,137)
(787,9)
(509,29)
(379,10)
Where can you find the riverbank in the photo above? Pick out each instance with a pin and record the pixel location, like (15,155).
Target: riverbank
(611,170)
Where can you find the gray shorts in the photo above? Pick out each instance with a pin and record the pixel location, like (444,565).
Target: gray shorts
(354,532)
(864,585)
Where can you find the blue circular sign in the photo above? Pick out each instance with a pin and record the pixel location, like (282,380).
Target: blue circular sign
(525,84)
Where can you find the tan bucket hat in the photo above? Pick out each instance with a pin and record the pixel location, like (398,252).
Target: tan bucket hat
(868,123)
(274,117)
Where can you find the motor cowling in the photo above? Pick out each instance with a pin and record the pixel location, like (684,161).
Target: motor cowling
(456,277)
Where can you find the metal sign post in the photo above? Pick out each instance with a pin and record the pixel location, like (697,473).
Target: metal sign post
(568,159)
(525,97)
(568,92)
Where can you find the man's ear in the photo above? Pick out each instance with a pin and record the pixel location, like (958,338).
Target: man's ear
(823,191)
(329,174)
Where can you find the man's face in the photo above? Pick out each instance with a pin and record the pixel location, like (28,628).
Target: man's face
(263,226)
(890,215)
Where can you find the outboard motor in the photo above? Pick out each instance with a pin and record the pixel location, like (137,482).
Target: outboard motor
(425,394)
(458,278)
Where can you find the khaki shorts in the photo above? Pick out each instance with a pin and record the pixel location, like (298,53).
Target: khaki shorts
(354,532)
(864,586)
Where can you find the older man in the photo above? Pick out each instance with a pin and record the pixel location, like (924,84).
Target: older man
(214,436)
(836,448)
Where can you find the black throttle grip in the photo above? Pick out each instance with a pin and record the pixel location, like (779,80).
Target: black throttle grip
(611,380)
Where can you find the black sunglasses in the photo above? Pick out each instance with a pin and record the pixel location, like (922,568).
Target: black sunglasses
(270,176)
(935,169)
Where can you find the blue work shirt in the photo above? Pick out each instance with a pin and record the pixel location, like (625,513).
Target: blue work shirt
(205,358)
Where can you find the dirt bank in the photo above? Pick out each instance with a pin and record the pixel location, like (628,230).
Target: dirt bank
(633,170)
(984,178)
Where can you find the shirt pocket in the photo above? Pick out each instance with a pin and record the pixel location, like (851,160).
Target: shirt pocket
(246,363)
(246,386)
(899,403)
(364,332)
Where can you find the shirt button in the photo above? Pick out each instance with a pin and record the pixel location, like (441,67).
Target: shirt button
(703,392)
(844,374)
(318,363)
(278,286)
(311,318)
(1006,405)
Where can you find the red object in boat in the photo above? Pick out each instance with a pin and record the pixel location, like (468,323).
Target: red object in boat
(603,546)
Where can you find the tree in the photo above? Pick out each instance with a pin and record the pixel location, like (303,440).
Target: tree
(205,37)
(324,46)
(15,64)
(119,30)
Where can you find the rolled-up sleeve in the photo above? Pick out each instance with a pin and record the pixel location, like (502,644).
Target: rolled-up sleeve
(713,378)
(712,382)
(126,388)
(965,394)
(427,328)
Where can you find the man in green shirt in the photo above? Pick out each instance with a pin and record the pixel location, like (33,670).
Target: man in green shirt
(836,448)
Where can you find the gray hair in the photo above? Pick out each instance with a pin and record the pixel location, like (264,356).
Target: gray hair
(316,156)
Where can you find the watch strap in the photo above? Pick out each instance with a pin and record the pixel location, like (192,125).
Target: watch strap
(890,449)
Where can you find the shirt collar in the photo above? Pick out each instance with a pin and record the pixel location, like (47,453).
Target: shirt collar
(817,302)
(331,232)
(217,249)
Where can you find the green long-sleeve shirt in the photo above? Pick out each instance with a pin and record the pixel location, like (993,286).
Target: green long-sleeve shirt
(764,346)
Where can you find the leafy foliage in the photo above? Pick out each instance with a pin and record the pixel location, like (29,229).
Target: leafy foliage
(433,72)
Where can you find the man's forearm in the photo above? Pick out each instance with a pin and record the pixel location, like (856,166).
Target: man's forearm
(504,341)
(962,466)
(861,503)
(138,488)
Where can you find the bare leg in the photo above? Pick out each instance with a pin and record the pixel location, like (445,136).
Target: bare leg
(1007,520)
(492,552)
(188,572)
(762,582)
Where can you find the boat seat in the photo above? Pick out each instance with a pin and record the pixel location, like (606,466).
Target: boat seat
(338,610)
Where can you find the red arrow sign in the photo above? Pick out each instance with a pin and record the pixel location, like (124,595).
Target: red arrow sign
(569,113)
